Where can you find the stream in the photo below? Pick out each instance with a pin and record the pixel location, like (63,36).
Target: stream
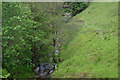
(45,70)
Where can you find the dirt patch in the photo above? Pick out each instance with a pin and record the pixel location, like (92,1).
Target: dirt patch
(80,75)
(80,21)
(84,75)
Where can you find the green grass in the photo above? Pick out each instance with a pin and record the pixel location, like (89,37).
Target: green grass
(93,53)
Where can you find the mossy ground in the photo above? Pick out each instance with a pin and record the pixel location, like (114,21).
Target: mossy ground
(93,53)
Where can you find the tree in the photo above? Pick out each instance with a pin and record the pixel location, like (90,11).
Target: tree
(22,35)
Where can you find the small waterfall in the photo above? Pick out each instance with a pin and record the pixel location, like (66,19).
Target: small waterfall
(45,70)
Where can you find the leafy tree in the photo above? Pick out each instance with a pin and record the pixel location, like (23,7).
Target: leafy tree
(23,38)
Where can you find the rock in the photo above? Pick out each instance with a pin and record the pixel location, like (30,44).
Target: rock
(37,69)
(57,51)
(55,66)
(43,74)
(42,68)
(51,71)
(50,55)
(51,59)
(45,70)
(49,66)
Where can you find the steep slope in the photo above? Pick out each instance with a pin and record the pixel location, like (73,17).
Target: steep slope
(93,53)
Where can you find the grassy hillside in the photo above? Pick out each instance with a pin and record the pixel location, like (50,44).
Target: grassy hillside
(93,53)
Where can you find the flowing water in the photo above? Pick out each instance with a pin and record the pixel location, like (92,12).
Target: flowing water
(45,70)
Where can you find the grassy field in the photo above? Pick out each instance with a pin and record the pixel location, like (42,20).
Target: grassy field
(93,53)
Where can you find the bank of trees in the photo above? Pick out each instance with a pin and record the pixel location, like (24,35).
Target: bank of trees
(29,32)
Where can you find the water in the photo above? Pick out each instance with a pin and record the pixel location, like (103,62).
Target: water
(45,70)
(56,51)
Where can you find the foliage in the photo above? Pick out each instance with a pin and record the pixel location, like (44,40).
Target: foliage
(75,7)
(22,35)
(5,73)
